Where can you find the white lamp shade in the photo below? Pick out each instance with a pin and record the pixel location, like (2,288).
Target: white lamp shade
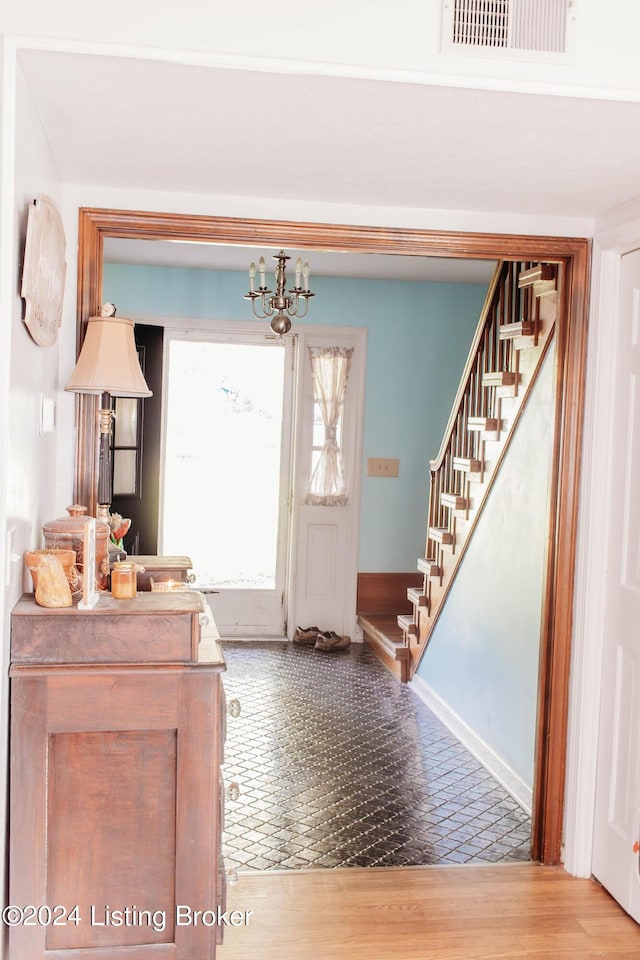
(108,361)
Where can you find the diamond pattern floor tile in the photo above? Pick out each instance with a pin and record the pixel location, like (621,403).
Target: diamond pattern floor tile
(341,765)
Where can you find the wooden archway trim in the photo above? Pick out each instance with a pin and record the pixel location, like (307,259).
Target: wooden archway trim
(574,253)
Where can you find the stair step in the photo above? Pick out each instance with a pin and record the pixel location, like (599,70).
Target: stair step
(467,465)
(541,271)
(387,642)
(483,424)
(454,501)
(417,597)
(509,331)
(441,535)
(499,378)
(407,625)
(429,567)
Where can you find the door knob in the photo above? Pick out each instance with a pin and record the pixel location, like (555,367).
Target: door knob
(233,791)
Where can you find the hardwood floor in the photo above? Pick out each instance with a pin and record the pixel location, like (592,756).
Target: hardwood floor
(502,912)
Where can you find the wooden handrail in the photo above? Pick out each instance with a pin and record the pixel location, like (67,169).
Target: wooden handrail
(471,360)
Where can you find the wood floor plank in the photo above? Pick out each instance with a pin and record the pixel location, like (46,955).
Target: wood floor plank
(502,912)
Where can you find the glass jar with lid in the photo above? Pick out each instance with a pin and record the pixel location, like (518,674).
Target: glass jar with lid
(123,580)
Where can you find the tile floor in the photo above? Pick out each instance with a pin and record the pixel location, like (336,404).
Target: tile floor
(340,765)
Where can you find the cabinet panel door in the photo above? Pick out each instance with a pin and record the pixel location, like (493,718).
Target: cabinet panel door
(111,848)
(115,812)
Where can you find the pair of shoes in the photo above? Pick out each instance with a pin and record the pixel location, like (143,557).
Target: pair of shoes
(306,636)
(329,640)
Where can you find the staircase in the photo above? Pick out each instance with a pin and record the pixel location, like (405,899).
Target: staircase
(515,329)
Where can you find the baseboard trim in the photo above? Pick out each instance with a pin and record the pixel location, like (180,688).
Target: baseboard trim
(486,755)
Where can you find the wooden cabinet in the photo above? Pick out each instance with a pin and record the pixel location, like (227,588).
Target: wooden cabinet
(116,741)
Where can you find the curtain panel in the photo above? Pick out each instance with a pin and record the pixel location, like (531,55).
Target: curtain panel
(330,372)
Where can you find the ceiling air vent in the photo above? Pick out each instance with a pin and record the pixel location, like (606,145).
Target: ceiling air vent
(507,27)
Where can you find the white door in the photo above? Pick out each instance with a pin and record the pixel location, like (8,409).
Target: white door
(324,563)
(226,476)
(616,861)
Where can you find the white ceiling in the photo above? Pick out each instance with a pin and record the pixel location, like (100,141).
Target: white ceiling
(155,125)
(322,263)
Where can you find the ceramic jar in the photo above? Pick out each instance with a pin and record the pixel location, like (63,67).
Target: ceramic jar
(67,533)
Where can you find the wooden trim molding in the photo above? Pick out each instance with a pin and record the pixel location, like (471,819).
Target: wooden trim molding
(557,620)
(96,224)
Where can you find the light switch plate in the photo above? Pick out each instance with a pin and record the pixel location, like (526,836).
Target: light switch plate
(47,415)
(382,467)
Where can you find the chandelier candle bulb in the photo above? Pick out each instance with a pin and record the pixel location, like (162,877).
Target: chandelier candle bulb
(305,274)
(298,272)
(252,277)
(262,268)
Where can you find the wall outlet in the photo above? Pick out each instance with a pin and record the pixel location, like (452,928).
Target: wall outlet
(382,467)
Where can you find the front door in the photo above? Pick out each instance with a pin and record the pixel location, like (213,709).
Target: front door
(616,855)
(226,472)
(325,538)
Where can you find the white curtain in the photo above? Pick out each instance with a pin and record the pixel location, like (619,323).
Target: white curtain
(330,371)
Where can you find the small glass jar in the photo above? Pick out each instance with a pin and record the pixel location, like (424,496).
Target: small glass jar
(123,580)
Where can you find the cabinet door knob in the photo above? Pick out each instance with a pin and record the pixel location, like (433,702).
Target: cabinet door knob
(235,709)
(232,877)
(233,791)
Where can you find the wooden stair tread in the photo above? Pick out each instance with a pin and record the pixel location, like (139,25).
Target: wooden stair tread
(509,331)
(484,424)
(454,501)
(429,567)
(384,629)
(499,378)
(467,464)
(406,624)
(417,597)
(440,534)
(542,271)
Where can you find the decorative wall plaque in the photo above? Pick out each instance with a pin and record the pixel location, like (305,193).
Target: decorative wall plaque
(44,271)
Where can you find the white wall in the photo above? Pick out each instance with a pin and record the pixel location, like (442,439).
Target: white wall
(396,36)
(34,369)
(30,458)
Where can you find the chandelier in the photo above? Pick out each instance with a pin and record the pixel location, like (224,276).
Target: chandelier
(282,305)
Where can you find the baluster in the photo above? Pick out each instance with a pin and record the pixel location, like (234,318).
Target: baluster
(431,522)
(486,411)
(511,294)
(463,424)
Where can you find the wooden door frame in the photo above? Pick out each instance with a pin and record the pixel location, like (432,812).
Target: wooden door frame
(574,253)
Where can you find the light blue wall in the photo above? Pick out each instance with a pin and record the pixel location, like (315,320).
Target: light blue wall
(482,659)
(418,340)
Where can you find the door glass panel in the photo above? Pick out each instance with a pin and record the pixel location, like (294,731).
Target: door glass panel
(222,460)
(125,472)
(126,422)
